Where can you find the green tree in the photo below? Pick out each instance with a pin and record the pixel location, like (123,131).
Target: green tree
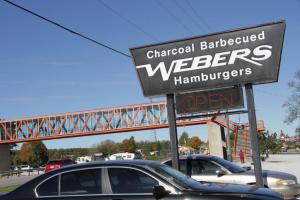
(107,148)
(297,132)
(40,151)
(145,146)
(156,146)
(263,141)
(270,142)
(292,104)
(16,158)
(184,138)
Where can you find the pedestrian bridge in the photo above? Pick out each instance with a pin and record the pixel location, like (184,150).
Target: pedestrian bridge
(107,121)
(100,121)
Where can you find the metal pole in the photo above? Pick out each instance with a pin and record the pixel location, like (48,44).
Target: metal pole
(254,136)
(229,153)
(173,131)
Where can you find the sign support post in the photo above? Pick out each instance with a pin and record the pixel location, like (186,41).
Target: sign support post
(173,131)
(229,153)
(254,135)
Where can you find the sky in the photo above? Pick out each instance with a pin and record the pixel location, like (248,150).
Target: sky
(47,70)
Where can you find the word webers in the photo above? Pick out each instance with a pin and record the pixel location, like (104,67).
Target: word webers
(260,53)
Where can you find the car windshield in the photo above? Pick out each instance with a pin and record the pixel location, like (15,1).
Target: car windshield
(229,165)
(175,176)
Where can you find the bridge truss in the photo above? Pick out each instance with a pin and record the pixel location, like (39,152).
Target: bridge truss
(92,122)
(106,121)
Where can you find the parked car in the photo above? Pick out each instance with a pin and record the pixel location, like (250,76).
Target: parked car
(54,164)
(23,167)
(129,179)
(124,156)
(214,169)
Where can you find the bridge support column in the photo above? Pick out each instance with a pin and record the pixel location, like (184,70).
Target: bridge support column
(4,157)
(216,140)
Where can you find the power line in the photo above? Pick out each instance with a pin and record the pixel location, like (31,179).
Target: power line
(127,20)
(198,16)
(177,19)
(68,29)
(188,15)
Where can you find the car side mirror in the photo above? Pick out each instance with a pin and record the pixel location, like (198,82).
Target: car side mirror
(220,172)
(160,192)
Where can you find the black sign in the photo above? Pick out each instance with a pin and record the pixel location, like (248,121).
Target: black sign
(250,55)
(222,99)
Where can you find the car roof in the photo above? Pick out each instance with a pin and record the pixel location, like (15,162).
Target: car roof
(138,163)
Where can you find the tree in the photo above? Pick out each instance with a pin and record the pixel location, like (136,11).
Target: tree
(262,137)
(40,151)
(297,132)
(194,142)
(33,153)
(13,154)
(107,148)
(129,145)
(184,138)
(270,142)
(16,158)
(27,155)
(156,146)
(292,104)
(54,154)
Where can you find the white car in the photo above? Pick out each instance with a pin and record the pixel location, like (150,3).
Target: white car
(23,167)
(212,169)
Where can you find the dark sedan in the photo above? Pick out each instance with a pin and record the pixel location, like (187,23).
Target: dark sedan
(136,179)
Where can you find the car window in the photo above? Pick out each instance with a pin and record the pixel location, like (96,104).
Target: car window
(81,182)
(196,167)
(48,188)
(125,180)
(182,165)
(209,167)
(234,168)
(169,163)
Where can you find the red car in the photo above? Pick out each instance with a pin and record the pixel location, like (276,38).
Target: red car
(54,164)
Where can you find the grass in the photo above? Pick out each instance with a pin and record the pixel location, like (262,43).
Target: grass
(8,188)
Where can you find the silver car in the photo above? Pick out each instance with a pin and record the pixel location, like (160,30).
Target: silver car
(217,170)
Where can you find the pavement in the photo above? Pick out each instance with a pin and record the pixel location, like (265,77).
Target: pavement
(289,163)
(18,180)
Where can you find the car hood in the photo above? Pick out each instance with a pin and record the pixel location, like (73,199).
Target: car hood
(236,189)
(273,174)
(2,194)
